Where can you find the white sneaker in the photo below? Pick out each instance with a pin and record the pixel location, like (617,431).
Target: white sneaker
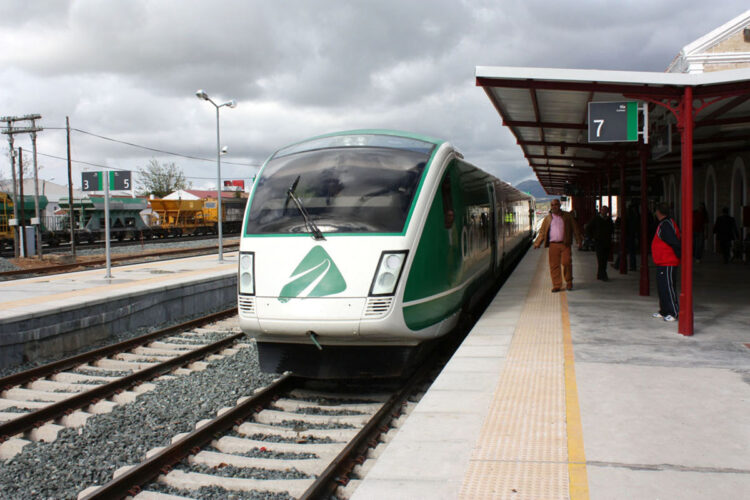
(669,317)
(657,315)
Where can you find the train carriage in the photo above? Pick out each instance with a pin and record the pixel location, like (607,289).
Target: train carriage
(360,247)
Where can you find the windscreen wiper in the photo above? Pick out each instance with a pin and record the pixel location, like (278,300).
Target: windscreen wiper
(309,223)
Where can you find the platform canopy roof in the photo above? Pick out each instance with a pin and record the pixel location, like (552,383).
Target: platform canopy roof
(546,109)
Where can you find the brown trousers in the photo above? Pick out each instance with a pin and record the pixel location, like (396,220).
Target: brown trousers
(559,253)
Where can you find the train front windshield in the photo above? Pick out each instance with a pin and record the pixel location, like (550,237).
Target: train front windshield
(345,189)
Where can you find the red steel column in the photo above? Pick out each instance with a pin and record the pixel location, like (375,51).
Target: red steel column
(685,325)
(609,204)
(622,213)
(644,283)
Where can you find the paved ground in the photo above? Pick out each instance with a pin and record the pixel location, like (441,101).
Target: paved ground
(663,416)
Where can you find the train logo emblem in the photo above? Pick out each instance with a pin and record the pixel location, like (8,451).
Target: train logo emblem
(316,276)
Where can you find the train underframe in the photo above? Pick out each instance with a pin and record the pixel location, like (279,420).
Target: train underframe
(339,361)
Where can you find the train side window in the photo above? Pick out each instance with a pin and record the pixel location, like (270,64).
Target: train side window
(448,212)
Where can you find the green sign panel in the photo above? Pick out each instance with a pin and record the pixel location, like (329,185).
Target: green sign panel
(118,181)
(613,121)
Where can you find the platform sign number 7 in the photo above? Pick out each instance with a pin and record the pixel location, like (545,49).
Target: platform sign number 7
(613,121)
(599,124)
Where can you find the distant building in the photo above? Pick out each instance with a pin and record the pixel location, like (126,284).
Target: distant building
(200,194)
(53,191)
(725,181)
(726,47)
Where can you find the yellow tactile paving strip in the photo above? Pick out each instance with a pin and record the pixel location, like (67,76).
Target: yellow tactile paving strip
(523,451)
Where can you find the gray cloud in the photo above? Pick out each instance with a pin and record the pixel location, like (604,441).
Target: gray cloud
(129,69)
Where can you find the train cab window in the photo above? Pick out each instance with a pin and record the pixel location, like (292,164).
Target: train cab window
(345,189)
(449,215)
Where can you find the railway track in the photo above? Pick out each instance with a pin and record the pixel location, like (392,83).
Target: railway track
(292,439)
(101,262)
(64,248)
(36,404)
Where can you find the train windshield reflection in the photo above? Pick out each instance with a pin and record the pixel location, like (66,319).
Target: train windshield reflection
(351,189)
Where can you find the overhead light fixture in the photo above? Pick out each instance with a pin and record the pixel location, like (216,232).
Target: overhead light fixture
(201,94)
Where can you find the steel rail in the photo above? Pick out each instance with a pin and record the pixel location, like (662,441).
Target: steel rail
(122,258)
(55,410)
(114,243)
(336,473)
(131,481)
(27,376)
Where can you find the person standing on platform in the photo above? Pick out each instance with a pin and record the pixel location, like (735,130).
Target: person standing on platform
(700,218)
(632,233)
(665,249)
(557,232)
(726,231)
(600,229)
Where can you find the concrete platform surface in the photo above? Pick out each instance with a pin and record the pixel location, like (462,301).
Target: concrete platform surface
(661,415)
(60,313)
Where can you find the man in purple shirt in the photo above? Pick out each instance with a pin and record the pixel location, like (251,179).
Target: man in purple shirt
(557,232)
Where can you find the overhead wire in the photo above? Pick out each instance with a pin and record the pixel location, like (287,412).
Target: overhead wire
(156,150)
(108,167)
(148,148)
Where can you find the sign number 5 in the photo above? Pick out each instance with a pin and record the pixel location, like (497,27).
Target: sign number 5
(599,124)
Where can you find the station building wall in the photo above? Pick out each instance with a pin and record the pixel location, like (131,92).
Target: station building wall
(718,184)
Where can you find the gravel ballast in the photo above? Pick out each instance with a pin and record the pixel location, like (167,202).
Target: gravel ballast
(6,265)
(83,457)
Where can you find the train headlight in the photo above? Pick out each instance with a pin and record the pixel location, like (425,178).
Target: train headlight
(246,271)
(388,273)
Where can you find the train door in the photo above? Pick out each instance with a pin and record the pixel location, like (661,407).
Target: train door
(500,225)
(492,226)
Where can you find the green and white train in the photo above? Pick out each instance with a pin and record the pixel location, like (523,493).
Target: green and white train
(359,247)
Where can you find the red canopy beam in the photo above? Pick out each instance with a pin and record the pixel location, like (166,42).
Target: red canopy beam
(725,108)
(568,145)
(586,159)
(532,124)
(666,92)
(723,121)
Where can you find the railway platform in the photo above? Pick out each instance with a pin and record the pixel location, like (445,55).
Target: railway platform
(52,315)
(583,394)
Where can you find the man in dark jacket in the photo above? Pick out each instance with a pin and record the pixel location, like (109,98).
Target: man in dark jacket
(665,249)
(726,231)
(600,229)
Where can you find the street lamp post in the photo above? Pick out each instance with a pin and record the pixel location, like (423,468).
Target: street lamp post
(232,104)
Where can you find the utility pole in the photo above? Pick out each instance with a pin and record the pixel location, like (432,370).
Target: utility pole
(36,192)
(13,172)
(22,212)
(70,194)
(10,132)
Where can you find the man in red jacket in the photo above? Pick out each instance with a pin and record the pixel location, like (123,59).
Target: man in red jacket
(665,249)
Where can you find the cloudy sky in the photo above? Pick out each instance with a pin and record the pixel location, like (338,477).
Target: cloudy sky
(128,70)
